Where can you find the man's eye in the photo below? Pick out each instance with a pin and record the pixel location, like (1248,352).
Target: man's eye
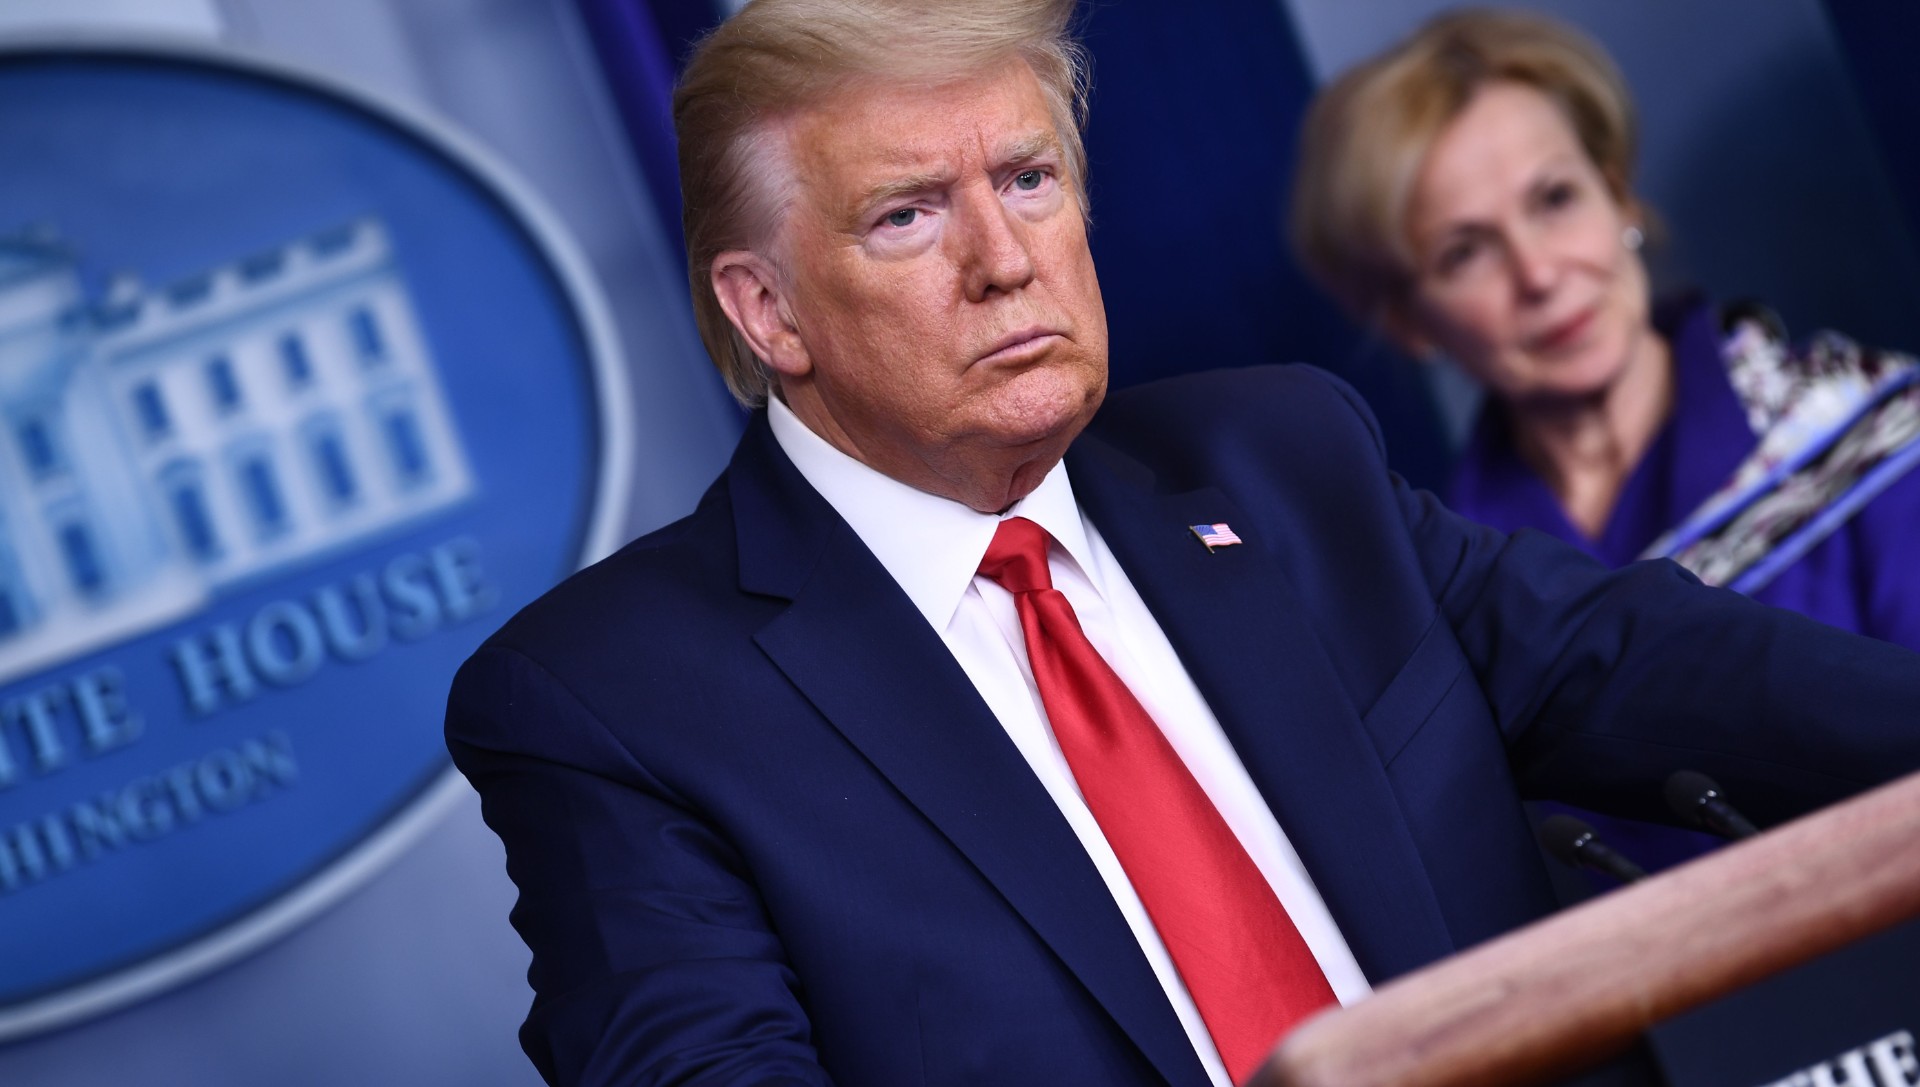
(1028,180)
(903,217)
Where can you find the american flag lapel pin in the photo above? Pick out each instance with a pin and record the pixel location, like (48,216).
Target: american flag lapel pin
(1214,537)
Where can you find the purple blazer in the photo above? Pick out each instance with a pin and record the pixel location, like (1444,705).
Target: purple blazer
(1862,578)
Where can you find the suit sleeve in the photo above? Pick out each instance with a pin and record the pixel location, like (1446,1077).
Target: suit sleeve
(1604,682)
(653,958)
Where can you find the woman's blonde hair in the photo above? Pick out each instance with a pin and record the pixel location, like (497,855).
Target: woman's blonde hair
(1368,132)
(777,57)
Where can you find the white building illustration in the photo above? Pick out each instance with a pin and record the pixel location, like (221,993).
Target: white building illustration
(157,445)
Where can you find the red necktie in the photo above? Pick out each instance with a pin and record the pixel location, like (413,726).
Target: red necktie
(1249,971)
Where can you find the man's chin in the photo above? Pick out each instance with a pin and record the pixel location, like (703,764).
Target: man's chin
(1046,407)
(1042,436)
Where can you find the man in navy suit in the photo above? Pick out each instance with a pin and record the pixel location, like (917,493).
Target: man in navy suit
(800,789)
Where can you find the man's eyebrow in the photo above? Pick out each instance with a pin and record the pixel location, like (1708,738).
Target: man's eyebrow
(894,188)
(1032,146)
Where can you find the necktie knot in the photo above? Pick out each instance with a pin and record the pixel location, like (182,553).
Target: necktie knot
(1017,557)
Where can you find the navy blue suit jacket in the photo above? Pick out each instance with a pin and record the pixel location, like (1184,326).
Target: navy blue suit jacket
(764,829)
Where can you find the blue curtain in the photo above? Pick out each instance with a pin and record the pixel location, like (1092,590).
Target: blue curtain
(1877,41)
(1191,147)
(641,47)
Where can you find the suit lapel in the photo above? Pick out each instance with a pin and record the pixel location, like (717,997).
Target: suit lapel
(1238,626)
(856,647)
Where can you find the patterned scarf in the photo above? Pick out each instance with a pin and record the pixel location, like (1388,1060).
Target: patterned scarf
(1837,424)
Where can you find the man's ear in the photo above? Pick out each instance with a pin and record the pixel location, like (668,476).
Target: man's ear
(751,292)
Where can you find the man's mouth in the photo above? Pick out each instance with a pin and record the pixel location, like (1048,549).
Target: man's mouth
(1021,345)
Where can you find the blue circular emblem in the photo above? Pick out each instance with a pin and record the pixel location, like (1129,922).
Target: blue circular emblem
(299,398)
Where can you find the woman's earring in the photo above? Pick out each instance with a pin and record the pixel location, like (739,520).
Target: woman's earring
(1632,239)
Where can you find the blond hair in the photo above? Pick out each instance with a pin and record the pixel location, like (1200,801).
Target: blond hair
(1368,132)
(778,57)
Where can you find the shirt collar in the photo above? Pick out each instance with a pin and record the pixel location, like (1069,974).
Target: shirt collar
(931,545)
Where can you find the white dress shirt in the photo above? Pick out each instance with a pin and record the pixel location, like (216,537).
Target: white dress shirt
(932,546)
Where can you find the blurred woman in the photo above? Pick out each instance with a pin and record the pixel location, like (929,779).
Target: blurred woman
(1469,192)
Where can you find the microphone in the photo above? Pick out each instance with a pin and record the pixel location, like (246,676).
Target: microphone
(1574,842)
(1695,797)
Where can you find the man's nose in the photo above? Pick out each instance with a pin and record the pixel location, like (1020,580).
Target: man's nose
(994,254)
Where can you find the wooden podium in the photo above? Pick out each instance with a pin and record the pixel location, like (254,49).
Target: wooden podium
(1562,995)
